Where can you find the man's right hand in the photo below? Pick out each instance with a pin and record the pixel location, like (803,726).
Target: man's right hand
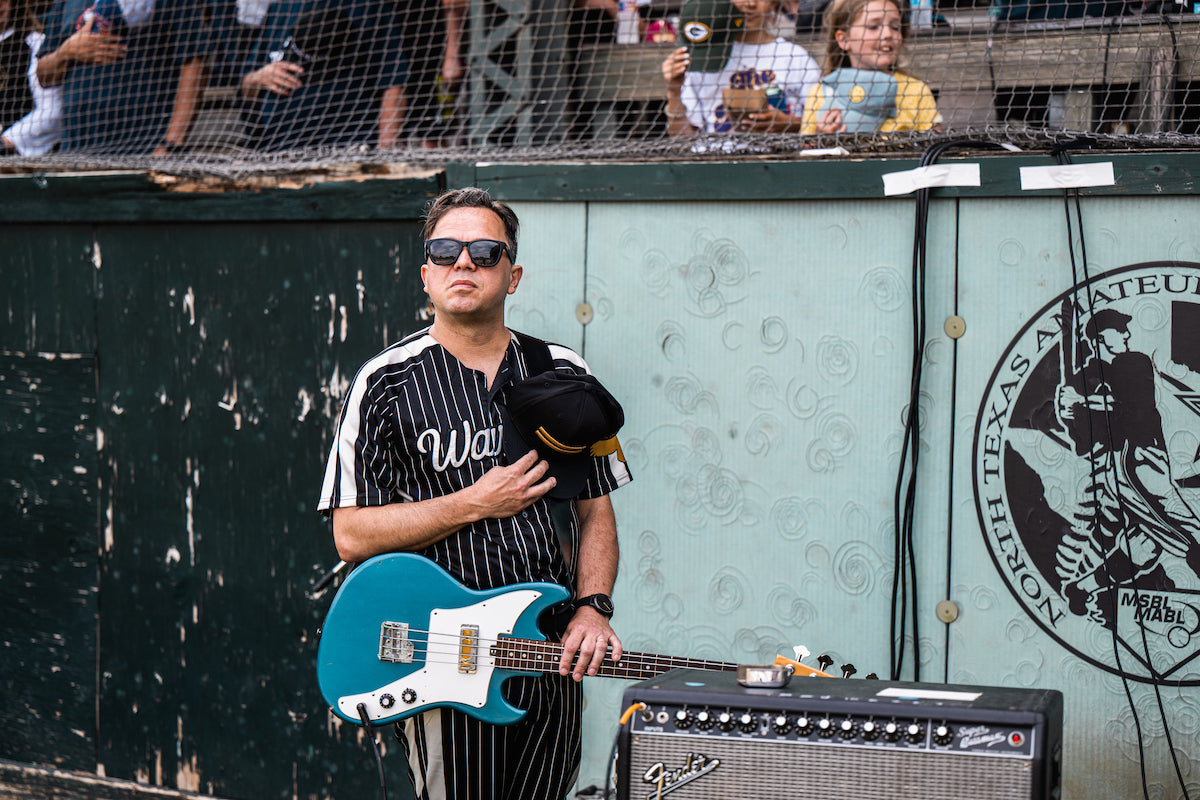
(506,491)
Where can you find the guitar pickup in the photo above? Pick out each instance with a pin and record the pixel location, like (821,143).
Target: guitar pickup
(468,649)
(394,645)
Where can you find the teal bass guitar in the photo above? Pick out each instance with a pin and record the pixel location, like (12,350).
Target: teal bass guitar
(402,637)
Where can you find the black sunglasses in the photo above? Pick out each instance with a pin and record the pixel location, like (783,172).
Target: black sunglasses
(483,252)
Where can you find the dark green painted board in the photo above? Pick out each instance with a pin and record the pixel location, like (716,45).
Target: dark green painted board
(134,196)
(1154,174)
(47,289)
(230,343)
(48,570)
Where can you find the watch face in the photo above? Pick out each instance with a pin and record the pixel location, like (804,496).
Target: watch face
(602,604)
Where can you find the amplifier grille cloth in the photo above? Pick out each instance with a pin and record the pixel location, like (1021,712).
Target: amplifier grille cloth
(770,770)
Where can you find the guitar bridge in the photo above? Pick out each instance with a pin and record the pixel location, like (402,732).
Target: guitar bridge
(394,645)
(468,649)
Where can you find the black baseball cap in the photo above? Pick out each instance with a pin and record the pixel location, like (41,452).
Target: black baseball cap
(708,29)
(569,419)
(1107,318)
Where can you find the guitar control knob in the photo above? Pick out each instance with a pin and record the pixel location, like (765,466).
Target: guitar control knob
(847,729)
(725,721)
(870,731)
(781,724)
(891,732)
(387,701)
(409,696)
(804,726)
(943,735)
(684,719)
(914,733)
(705,720)
(825,728)
(747,723)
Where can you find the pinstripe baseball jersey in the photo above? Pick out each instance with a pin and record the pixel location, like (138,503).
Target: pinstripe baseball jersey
(417,424)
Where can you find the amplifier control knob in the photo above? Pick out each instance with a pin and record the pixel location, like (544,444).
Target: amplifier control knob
(914,733)
(870,731)
(804,726)
(943,735)
(847,729)
(747,723)
(781,724)
(825,728)
(684,719)
(725,721)
(704,720)
(891,732)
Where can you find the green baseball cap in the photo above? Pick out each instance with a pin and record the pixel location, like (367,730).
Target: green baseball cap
(708,28)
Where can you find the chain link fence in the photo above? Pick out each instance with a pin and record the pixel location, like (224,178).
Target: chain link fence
(223,88)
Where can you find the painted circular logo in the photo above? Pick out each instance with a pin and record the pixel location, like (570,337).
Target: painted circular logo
(1086,467)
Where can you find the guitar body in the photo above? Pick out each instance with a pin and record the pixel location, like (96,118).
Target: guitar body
(402,637)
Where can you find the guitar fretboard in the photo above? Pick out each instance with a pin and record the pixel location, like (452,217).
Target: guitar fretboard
(529,655)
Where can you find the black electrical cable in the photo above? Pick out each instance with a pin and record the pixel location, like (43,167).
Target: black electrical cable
(366,722)
(1156,679)
(952,443)
(904,567)
(612,759)
(904,499)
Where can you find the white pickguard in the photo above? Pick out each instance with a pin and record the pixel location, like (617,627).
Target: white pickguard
(440,680)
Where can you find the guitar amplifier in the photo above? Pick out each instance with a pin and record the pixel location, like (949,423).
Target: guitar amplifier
(703,736)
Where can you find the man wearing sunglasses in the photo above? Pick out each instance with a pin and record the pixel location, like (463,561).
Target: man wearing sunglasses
(418,465)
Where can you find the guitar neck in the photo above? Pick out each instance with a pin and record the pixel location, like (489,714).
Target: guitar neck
(529,655)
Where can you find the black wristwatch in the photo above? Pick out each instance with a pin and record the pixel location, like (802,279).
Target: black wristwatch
(601,602)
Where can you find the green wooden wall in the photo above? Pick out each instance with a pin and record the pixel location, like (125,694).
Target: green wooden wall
(173,362)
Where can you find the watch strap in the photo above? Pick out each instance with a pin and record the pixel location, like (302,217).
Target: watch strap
(602,603)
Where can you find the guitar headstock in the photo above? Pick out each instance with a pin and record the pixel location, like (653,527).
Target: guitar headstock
(825,662)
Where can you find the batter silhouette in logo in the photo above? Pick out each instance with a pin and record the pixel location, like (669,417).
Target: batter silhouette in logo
(1087,469)
(1132,511)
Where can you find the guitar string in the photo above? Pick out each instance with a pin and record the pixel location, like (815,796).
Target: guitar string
(451,644)
(533,654)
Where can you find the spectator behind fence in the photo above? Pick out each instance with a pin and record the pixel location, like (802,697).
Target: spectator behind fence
(326,73)
(30,116)
(132,72)
(735,74)
(431,38)
(237,29)
(862,90)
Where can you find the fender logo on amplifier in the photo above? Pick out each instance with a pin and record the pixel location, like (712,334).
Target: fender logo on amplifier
(695,765)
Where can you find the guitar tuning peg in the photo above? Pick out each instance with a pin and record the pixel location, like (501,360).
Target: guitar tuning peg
(823,661)
(801,652)
(848,670)
(871,676)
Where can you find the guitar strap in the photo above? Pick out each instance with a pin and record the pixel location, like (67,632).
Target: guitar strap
(537,353)
(554,620)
